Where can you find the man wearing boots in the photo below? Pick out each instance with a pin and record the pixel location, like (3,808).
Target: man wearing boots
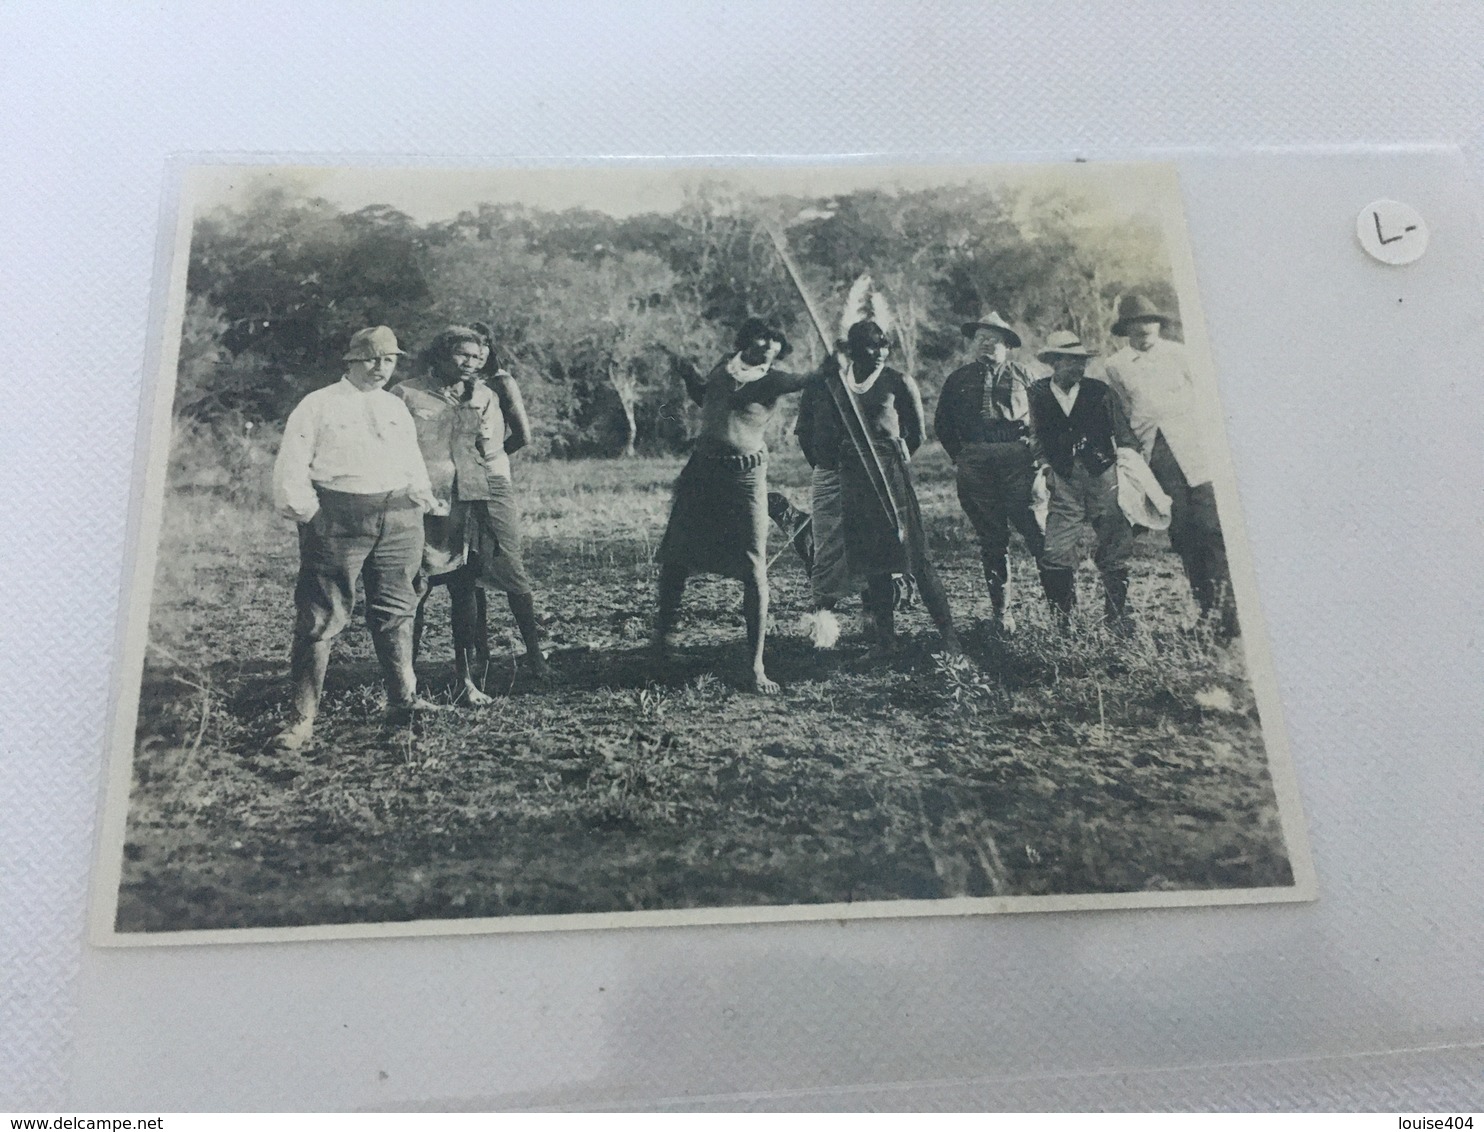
(1152,378)
(983,423)
(1078,426)
(349,472)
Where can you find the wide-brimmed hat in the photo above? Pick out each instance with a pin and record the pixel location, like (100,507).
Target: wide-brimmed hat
(993,321)
(1063,342)
(373,342)
(1136,308)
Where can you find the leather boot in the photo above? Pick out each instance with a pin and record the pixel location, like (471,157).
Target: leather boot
(1228,627)
(1115,601)
(523,609)
(997,578)
(307,663)
(1198,574)
(879,601)
(996,571)
(1060,585)
(394,651)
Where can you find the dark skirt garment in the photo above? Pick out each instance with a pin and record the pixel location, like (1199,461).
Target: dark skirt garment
(719,518)
(871,541)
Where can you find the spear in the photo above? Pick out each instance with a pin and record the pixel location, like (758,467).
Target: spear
(855,419)
(912,535)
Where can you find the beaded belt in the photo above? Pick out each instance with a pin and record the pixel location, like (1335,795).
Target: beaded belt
(739,463)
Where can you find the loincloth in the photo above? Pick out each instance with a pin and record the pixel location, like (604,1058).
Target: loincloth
(719,517)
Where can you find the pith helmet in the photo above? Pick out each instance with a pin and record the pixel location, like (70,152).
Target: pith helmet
(1063,342)
(1136,308)
(993,321)
(373,342)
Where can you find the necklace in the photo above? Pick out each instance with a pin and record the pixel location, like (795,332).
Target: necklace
(742,373)
(847,375)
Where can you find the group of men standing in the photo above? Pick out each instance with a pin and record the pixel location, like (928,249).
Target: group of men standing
(1106,454)
(1080,435)
(354,474)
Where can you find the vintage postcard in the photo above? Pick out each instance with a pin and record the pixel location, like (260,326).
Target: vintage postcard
(526,549)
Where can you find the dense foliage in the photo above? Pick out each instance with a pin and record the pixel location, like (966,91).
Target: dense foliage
(597,315)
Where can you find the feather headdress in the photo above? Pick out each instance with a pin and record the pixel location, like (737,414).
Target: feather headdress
(865,301)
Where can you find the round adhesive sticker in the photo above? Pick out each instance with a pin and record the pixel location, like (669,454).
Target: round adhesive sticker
(1391,231)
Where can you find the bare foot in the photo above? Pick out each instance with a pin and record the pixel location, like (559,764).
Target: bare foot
(762,684)
(475,696)
(294,737)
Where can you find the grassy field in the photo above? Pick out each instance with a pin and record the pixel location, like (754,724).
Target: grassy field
(1046,764)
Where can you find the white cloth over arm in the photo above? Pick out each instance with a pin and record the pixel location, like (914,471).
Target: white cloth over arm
(1143,502)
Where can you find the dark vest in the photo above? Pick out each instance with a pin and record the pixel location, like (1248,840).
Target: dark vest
(1086,437)
(961,418)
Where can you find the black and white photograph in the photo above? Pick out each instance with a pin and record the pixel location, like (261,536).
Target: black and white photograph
(535,548)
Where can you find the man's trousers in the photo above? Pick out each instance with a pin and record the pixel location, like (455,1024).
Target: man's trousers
(375,538)
(994,489)
(1195,535)
(1078,501)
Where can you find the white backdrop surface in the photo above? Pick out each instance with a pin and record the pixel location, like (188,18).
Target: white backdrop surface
(1354,414)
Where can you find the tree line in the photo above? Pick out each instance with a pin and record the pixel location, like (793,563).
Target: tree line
(599,316)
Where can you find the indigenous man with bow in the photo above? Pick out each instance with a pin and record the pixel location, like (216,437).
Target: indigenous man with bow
(864,419)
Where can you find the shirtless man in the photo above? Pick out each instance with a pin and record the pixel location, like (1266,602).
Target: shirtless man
(719,518)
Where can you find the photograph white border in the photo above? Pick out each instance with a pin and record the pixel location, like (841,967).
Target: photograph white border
(147,508)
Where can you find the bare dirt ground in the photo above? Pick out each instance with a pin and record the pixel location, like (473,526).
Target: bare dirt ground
(1044,764)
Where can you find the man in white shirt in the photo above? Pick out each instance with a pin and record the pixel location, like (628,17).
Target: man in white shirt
(1152,377)
(350,473)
